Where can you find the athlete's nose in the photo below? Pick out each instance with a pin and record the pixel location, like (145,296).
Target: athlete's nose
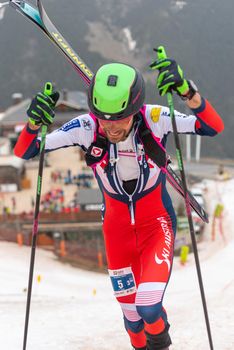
(113,125)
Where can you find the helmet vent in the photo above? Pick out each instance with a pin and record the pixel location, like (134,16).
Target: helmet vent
(112,80)
(95,100)
(123,105)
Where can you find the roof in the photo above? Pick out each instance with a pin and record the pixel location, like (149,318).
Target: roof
(75,104)
(12,161)
(5,146)
(16,114)
(78,98)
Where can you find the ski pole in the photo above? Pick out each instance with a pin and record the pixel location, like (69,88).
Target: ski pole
(47,91)
(162,55)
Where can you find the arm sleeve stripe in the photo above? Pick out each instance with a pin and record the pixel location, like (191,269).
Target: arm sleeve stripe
(24,142)
(206,114)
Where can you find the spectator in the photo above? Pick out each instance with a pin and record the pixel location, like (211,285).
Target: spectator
(13,201)
(218,217)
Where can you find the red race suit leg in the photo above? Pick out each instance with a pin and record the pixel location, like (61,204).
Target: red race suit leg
(140,260)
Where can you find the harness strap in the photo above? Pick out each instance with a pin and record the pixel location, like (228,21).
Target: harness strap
(152,147)
(97,151)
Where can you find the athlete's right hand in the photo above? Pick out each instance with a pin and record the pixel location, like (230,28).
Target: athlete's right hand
(41,109)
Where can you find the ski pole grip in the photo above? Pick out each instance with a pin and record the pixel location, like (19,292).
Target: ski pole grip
(161,53)
(48,89)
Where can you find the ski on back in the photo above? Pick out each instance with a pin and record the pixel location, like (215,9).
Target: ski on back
(53,33)
(28,10)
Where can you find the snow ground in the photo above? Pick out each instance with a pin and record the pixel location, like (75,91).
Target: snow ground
(73,309)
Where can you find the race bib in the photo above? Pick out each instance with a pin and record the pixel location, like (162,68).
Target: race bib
(123,281)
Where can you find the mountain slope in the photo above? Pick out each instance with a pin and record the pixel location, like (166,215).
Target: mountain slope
(197,34)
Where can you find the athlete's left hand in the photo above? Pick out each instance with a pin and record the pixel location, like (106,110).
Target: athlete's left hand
(170,77)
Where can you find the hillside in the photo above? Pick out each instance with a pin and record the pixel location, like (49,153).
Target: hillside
(196,33)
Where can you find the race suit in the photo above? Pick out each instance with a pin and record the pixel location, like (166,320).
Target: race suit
(139,223)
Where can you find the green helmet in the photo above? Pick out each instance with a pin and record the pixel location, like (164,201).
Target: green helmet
(116,91)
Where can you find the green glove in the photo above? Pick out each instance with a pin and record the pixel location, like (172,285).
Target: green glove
(170,77)
(41,109)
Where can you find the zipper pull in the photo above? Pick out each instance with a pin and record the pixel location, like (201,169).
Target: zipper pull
(112,161)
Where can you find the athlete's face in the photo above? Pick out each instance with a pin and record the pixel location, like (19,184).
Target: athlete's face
(116,131)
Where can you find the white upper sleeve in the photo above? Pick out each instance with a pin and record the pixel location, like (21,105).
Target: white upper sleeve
(78,131)
(159,120)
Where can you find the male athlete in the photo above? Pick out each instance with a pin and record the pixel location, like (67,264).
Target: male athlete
(139,222)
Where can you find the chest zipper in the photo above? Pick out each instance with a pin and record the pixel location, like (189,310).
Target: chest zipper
(140,152)
(116,181)
(122,191)
(139,180)
(131,205)
(113,160)
(142,180)
(131,210)
(114,172)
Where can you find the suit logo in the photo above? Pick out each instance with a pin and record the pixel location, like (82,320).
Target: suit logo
(165,256)
(155,114)
(86,124)
(75,123)
(96,152)
(167,244)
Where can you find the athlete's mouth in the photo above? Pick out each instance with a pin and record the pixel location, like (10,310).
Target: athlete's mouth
(114,133)
(115,136)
